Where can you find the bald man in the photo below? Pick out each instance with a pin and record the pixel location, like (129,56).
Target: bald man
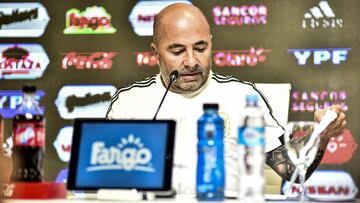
(182,41)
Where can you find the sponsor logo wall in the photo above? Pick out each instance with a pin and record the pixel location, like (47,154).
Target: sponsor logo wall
(79,53)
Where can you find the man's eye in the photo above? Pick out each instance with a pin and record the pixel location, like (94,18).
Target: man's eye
(177,52)
(200,49)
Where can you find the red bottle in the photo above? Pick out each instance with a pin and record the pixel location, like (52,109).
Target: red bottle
(29,140)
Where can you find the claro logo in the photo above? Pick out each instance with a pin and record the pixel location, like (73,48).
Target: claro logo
(22,19)
(237,58)
(129,154)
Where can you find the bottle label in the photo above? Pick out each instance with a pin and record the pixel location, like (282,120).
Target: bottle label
(29,133)
(210,176)
(251,136)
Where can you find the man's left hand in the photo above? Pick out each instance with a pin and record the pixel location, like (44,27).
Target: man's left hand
(335,128)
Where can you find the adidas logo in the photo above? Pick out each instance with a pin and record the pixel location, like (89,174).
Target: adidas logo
(321,16)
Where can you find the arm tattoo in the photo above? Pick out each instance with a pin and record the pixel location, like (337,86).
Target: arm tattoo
(280,162)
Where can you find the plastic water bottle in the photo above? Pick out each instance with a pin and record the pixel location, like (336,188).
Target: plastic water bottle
(210,180)
(251,152)
(29,140)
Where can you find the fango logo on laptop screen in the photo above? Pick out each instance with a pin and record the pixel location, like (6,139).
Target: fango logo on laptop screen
(130,154)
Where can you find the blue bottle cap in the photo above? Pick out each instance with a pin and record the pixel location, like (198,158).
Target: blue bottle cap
(210,106)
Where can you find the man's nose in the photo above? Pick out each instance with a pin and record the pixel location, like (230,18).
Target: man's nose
(190,60)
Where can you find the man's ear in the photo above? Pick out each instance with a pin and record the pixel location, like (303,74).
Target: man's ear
(155,51)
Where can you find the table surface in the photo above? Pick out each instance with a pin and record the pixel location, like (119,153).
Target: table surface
(174,200)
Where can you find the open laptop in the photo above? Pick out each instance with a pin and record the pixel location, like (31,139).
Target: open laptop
(121,154)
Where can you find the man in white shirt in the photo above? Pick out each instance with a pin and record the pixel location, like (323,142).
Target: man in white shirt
(182,41)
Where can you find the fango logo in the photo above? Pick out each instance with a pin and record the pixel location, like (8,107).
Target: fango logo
(93,20)
(129,154)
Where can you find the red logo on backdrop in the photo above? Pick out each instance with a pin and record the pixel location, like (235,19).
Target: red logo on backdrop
(81,61)
(17,58)
(66,148)
(145,59)
(22,61)
(230,58)
(327,186)
(240,57)
(145,18)
(340,149)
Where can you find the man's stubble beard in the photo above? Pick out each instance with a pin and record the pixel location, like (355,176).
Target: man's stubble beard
(189,87)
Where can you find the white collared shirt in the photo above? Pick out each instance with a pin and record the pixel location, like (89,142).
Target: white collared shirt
(141,100)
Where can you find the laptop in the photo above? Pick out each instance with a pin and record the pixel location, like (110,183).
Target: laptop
(121,154)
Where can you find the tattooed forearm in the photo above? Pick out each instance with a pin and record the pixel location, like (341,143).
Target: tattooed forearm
(279,161)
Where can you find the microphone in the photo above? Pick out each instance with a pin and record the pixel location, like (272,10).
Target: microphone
(174,75)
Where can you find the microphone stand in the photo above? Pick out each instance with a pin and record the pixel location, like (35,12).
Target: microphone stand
(173,77)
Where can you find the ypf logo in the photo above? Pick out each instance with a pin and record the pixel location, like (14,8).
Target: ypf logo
(340,149)
(129,154)
(334,55)
(22,19)
(10,100)
(94,20)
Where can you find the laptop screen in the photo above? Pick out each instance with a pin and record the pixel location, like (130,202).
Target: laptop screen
(122,154)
